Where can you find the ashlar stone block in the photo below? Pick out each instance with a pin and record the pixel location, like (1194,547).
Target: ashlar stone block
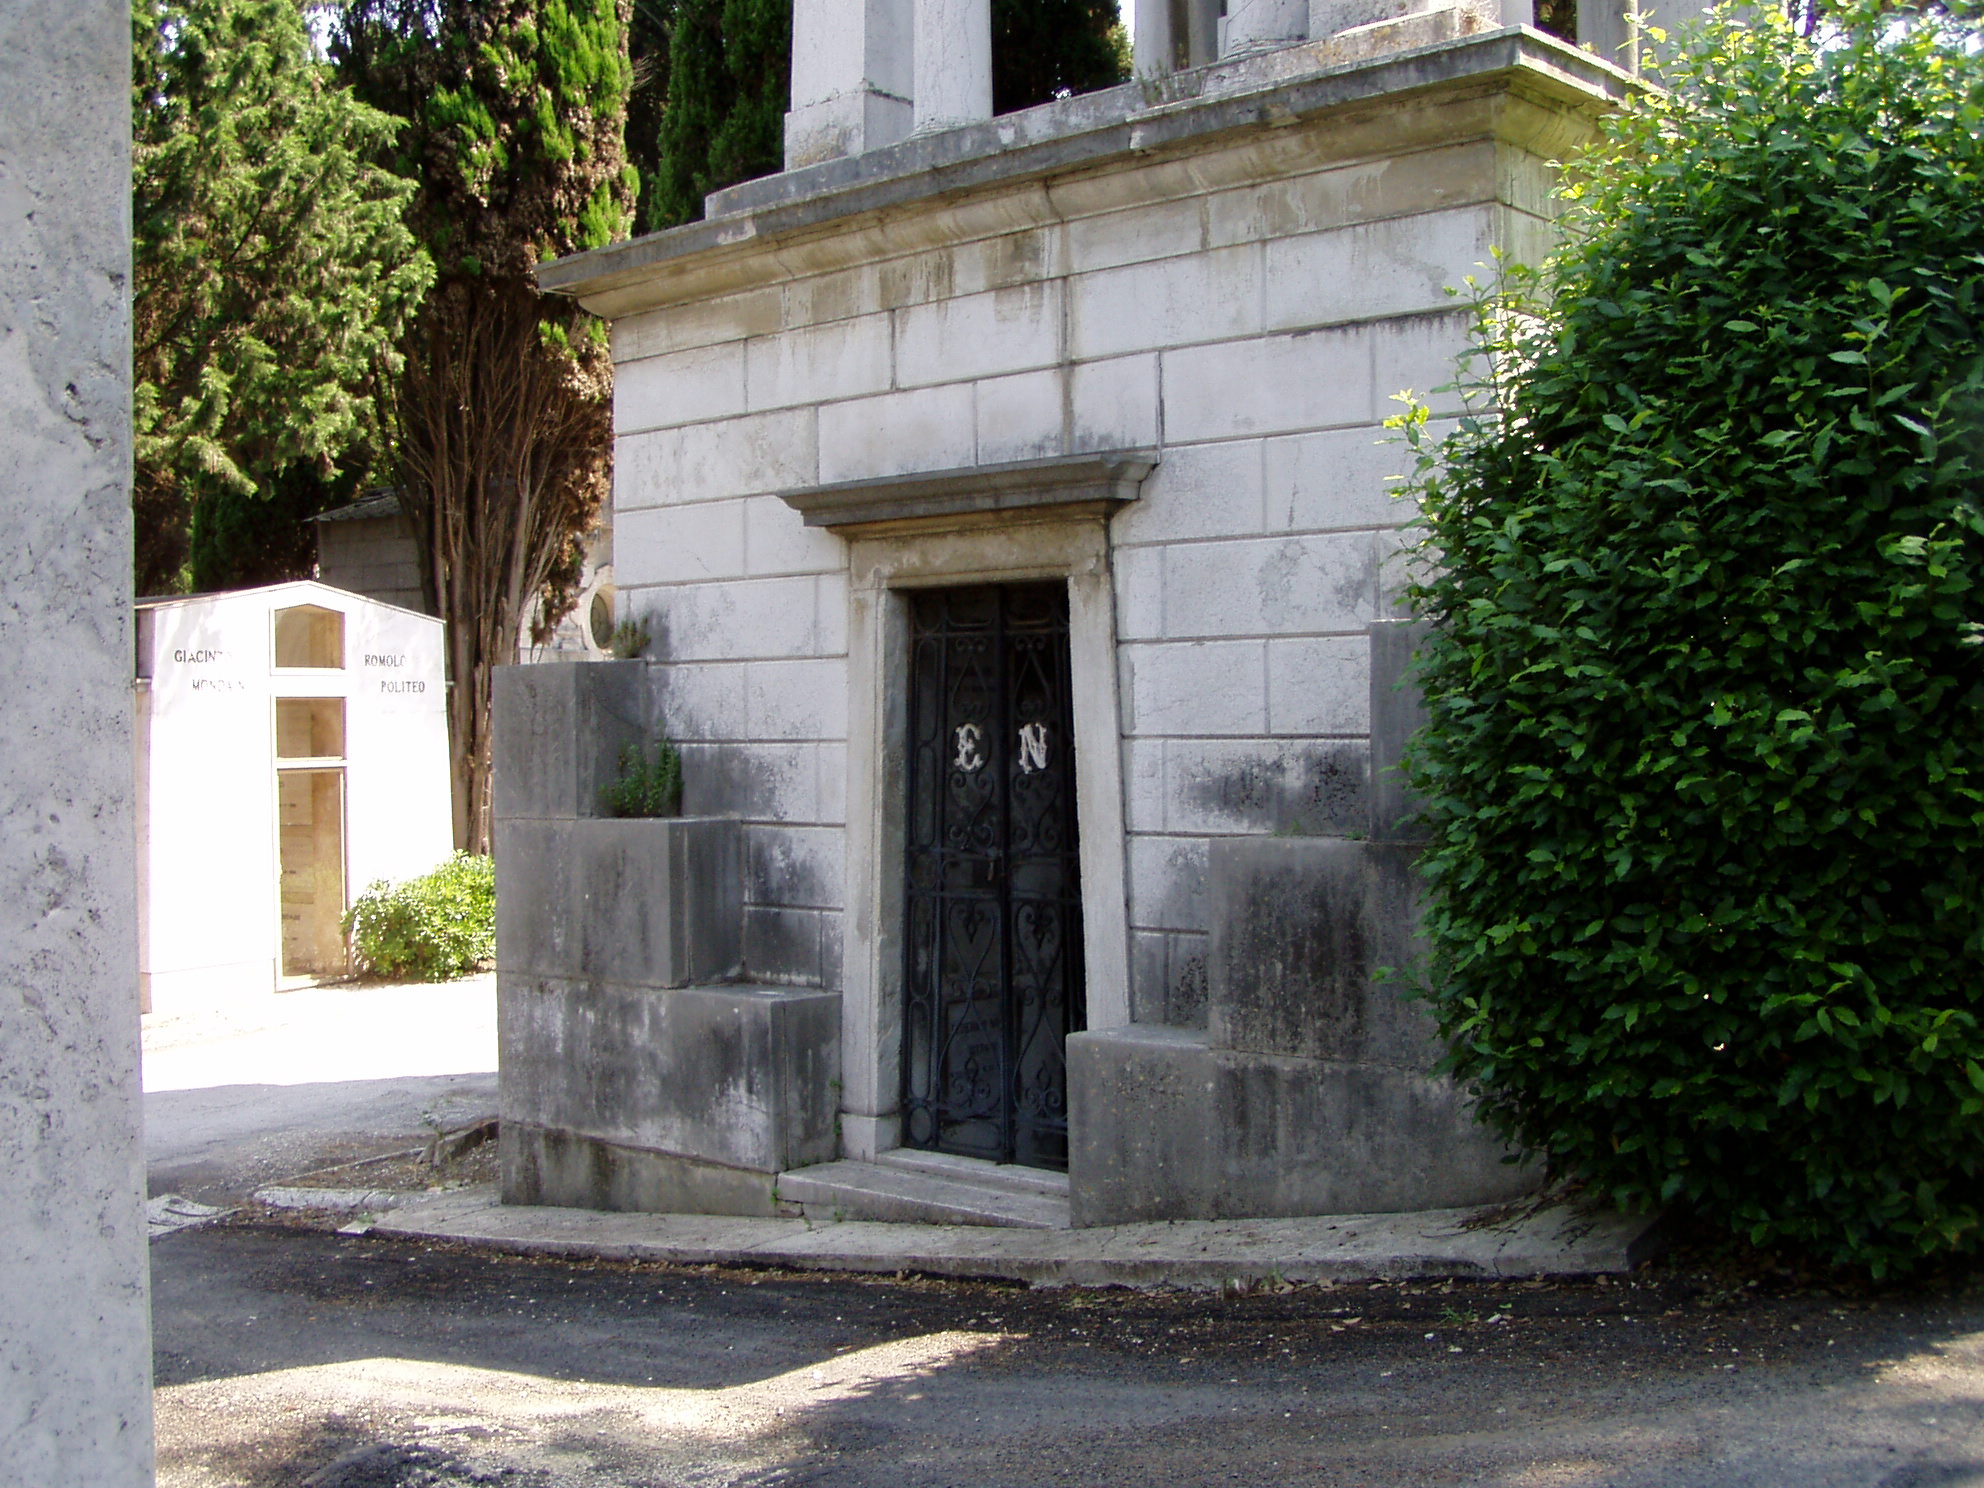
(1165,1126)
(650,903)
(684,1101)
(558,729)
(1304,931)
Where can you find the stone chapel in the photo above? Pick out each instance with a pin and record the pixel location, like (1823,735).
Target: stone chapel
(1007,500)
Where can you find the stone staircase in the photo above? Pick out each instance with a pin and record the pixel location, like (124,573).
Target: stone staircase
(929,1188)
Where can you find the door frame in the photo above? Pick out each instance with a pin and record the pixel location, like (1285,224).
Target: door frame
(1070,545)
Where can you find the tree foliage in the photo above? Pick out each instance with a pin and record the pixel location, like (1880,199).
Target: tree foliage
(272,271)
(502,415)
(723,119)
(1705,765)
(1043,49)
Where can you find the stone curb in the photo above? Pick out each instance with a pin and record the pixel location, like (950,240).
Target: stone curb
(1560,1241)
(333,1200)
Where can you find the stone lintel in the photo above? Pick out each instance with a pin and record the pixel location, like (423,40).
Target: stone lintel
(946,498)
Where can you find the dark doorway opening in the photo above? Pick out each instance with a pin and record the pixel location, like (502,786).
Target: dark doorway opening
(993,945)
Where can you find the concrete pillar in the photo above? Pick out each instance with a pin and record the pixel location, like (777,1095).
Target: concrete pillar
(852,78)
(75,1344)
(1173,35)
(1259,25)
(953,72)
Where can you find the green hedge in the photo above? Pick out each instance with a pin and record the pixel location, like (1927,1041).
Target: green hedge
(1705,766)
(440,925)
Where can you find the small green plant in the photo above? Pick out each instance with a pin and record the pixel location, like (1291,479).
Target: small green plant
(630,639)
(427,929)
(650,782)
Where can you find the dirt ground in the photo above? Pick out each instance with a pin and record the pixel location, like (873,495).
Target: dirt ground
(290,1356)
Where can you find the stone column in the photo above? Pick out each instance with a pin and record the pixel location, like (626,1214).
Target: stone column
(1175,34)
(1259,25)
(953,72)
(852,78)
(75,1336)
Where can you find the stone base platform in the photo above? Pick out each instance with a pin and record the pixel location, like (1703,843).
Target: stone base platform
(929,1188)
(1522,1241)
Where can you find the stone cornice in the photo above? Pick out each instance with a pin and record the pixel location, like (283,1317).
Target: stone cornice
(789,212)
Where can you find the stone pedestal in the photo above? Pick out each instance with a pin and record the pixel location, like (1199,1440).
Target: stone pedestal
(852,78)
(1311,1090)
(637,1070)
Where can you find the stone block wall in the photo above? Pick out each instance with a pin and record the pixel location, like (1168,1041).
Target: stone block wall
(374,556)
(1246,308)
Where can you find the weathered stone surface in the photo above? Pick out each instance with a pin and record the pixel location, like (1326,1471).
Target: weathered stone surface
(1397,712)
(1561,1240)
(646,902)
(75,1350)
(632,1091)
(571,1170)
(1301,930)
(1167,1127)
(1142,1107)
(559,728)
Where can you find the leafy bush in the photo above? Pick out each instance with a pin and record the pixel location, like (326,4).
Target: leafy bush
(440,925)
(650,782)
(1704,767)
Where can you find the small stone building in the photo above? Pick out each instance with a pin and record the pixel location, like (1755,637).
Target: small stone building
(292,747)
(1008,501)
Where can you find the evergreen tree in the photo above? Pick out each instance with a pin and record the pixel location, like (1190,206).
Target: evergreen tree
(502,416)
(1043,49)
(240,539)
(272,271)
(729,83)
(647,100)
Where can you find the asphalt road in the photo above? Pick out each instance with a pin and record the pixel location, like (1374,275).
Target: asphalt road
(296,1358)
(291,1357)
(267,1088)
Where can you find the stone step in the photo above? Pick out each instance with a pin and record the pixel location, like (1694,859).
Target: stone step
(918,1191)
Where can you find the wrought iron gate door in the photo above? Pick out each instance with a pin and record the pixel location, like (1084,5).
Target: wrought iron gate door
(993,973)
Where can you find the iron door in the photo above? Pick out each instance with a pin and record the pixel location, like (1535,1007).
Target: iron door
(993,953)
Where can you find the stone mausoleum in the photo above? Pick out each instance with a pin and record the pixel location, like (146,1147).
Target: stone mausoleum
(1007,499)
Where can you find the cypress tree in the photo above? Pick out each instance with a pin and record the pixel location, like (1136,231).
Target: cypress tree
(503,424)
(1044,49)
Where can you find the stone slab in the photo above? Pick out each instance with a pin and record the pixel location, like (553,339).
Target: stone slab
(1167,1127)
(75,1342)
(1303,932)
(1397,713)
(563,1168)
(887,1191)
(650,902)
(744,1078)
(1531,1241)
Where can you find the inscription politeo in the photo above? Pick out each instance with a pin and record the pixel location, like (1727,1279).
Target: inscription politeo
(408,686)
